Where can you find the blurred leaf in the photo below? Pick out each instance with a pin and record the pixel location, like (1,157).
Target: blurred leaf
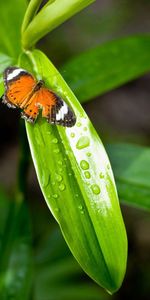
(80,291)
(11,15)
(49,248)
(5,61)
(49,17)
(131,165)
(15,250)
(107,66)
(59,276)
(77,182)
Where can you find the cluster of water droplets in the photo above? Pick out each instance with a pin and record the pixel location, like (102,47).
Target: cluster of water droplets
(82,143)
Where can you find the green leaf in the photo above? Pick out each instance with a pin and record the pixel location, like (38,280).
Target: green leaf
(15,250)
(132,172)
(10,25)
(50,16)
(78,185)
(5,61)
(30,13)
(107,66)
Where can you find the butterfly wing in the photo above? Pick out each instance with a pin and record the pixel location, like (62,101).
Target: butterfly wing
(54,109)
(18,87)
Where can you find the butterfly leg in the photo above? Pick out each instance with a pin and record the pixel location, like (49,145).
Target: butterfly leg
(30,113)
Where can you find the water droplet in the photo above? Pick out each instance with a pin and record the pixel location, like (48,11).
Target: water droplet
(57,209)
(62,187)
(77,195)
(87,174)
(95,188)
(81,209)
(88,154)
(72,134)
(55,141)
(60,162)
(55,196)
(79,124)
(56,150)
(70,174)
(83,142)
(85,128)
(108,167)
(84,165)
(53,182)
(101,175)
(59,178)
(45,178)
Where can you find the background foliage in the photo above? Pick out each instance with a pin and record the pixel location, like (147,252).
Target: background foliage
(129,58)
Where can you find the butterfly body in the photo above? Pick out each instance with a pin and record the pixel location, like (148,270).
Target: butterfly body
(22,90)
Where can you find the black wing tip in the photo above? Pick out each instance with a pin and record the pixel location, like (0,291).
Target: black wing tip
(7,102)
(27,118)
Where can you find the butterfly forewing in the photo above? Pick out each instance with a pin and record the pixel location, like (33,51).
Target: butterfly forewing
(19,85)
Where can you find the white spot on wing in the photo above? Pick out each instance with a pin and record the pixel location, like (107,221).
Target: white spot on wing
(14,74)
(62,112)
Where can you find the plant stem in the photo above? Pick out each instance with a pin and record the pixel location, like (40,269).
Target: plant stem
(30,13)
(49,18)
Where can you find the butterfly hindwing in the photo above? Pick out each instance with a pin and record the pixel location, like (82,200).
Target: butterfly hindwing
(57,111)
(54,109)
(18,86)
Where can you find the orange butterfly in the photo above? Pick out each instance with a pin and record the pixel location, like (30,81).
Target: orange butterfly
(23,91)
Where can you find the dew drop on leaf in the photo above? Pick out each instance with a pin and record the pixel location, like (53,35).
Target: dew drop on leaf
(55,196)
(101,175)
(62,187)
(45,178)
(95,189)
(79,124)
(84,165)
(83,142)
(87,174)
(56,150)
(72,134)
(59,178)
(81,209)
(88,154)
(55,141)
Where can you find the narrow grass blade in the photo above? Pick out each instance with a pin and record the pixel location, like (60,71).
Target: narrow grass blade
(78,185)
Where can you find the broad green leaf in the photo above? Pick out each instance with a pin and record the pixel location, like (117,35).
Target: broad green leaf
(11,15)
(15,250)
(5,61)
(49,17)
(107,66)
(78,185)
(131,165)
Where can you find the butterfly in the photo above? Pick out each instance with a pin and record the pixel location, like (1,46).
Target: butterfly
(22,90)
